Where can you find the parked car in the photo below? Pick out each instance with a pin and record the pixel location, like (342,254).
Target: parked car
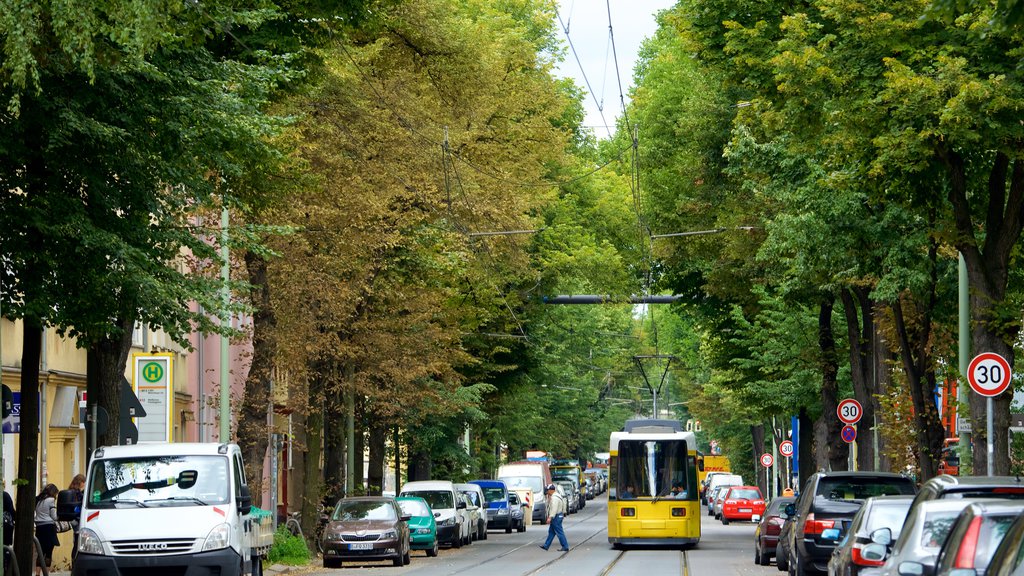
(946,486)
(517,511)
(782,549)
(1008,558)
(498,509)
(717,480)
(571,493)
(878,512)
(922,536)
(830,500)
(974,537)
(720,500)
(477,508)
(742,503)
(422,527)
(449,509)
(712,494)
(766,535)
(366,528)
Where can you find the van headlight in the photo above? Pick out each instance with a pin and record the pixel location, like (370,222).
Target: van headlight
(89,542)
(502,511)
(447,521)
(218,538)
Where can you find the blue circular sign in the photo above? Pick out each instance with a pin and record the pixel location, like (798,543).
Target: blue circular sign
(849,434)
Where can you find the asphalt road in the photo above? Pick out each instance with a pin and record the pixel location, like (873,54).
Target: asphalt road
(723,551)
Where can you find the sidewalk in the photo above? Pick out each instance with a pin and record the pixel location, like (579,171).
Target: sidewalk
(274,570)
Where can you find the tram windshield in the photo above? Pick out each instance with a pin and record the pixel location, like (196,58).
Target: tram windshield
(649,469)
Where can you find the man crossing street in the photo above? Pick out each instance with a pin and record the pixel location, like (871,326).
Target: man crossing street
(557,508)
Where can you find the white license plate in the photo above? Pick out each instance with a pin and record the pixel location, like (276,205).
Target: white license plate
(746,510)
(361,546)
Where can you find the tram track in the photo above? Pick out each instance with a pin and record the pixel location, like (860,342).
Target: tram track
(531,543)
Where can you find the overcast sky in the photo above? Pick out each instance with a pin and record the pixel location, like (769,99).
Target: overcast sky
(587,20)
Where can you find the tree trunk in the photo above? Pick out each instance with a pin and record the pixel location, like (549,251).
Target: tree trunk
(860,329)
(378,451)
(106,360)
(312,489)
(757,436)
(837,451)
(917,365)
(994,329)
(334,444)
(398,460)
(882,377)
(253,436)
(359,447)
(28,443)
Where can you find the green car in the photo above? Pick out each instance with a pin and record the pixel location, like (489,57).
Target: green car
(422,528)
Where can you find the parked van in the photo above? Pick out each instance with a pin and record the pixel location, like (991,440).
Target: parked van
(168,508)
(722,480)
(449,509)
(533,475)
(499,512)
(479,504)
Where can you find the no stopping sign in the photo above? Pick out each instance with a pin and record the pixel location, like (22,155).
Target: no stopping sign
(989,374)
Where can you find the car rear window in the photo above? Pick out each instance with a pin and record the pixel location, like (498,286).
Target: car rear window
(1007,492)
(936,527)
(889,516)
(744,494)
(862,488)
(993,529)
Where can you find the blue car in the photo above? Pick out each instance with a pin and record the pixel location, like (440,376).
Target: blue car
(499,512)
(422,527)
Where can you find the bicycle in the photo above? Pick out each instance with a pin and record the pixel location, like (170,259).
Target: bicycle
(294,525)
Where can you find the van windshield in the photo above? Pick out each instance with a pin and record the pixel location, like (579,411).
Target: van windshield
(494,494)
(436,499)
(534,483)
(148,481)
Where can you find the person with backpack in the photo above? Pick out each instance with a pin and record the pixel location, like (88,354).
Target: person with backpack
(46,524)
(557,507)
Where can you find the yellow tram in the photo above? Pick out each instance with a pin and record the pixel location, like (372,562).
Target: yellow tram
(652,475)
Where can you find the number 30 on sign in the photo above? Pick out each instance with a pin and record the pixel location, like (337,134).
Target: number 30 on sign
(989,374)
(849,411)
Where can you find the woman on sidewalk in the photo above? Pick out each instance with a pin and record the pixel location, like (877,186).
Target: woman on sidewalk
(46,524)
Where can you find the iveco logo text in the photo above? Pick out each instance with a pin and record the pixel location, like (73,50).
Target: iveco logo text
(153,546)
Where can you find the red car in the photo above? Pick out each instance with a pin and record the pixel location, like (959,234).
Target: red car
(742,503)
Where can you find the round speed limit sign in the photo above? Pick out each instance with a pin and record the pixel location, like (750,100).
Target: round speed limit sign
(989,374)
(849,411)
(786,448)
(767,460)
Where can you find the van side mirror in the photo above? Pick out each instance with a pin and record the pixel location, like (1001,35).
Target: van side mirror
(910,569)
(69,505)
(244,500)
(461,505)
(873,552)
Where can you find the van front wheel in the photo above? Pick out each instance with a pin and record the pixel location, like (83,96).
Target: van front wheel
(257,566)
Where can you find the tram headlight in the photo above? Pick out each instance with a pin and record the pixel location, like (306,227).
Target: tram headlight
(678,512)
(627,512)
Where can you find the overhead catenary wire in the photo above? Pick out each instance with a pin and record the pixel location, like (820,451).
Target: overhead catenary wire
(586,80)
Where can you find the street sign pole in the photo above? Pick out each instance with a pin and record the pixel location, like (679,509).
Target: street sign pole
(990,468)
(989,374)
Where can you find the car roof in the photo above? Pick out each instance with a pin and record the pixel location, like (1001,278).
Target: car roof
(948,482)
(994,506)
(429,485)
(489,483)
(860,474)
(367,499)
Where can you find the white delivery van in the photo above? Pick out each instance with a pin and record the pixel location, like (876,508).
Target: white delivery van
(532,475)
(448,506)
(168,509)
